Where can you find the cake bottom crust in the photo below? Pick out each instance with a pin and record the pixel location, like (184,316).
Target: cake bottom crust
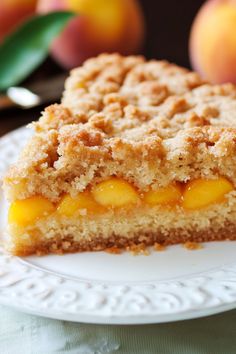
(59,245)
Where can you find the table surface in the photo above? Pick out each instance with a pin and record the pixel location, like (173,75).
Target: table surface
(22,333)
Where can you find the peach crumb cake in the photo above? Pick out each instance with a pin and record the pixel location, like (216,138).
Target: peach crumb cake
(138,152)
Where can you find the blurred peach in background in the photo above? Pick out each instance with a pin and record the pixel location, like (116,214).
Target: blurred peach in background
(213,41)
(119,26)
(12,12)
(101,26)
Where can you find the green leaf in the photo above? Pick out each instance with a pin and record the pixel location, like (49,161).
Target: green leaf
(26,48)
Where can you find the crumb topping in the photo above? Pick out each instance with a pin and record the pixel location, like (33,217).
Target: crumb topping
(113,250)
(138,249)
(192,246)
(149,122)
(159,247)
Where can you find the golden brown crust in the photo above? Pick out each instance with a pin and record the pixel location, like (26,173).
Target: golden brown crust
(148,122)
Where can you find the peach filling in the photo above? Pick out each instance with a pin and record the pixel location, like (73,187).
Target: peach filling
(168,195)
(68,206)
(118,193)
(201,193)
(27,211)
(114,193)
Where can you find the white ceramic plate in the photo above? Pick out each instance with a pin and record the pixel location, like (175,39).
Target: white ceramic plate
(102,288)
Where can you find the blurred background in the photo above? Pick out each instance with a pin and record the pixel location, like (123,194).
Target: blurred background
(167,30)
(168,26)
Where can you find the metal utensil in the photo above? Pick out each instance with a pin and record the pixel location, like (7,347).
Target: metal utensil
(38,93)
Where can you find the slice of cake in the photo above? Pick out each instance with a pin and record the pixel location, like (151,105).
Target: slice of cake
(137,153)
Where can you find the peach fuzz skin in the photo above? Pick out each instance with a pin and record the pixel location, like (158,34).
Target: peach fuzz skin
(12,12)
(213,41)
(98,28)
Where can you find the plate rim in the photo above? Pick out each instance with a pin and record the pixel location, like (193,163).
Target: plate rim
(51,295)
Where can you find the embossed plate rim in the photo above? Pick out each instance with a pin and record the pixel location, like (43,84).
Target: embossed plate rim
(42,293)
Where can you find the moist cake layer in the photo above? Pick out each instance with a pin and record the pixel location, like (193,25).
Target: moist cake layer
(113,214)
(126,227)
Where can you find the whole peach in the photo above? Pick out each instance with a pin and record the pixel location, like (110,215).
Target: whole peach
(213,41)
(13,12)
(101,25)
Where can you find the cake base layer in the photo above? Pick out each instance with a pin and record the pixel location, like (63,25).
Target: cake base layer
(125,227)
(60,245)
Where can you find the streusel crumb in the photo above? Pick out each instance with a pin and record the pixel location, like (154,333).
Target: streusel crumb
(192,246)
(159,247)
(113,250)
(148,122)
(138,249)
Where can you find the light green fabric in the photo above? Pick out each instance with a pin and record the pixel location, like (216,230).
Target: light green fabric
(25,334)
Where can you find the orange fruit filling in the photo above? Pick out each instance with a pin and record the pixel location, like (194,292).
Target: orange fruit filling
(27,211)
(68,206)
(167,195)
(116,193)
(202,192)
